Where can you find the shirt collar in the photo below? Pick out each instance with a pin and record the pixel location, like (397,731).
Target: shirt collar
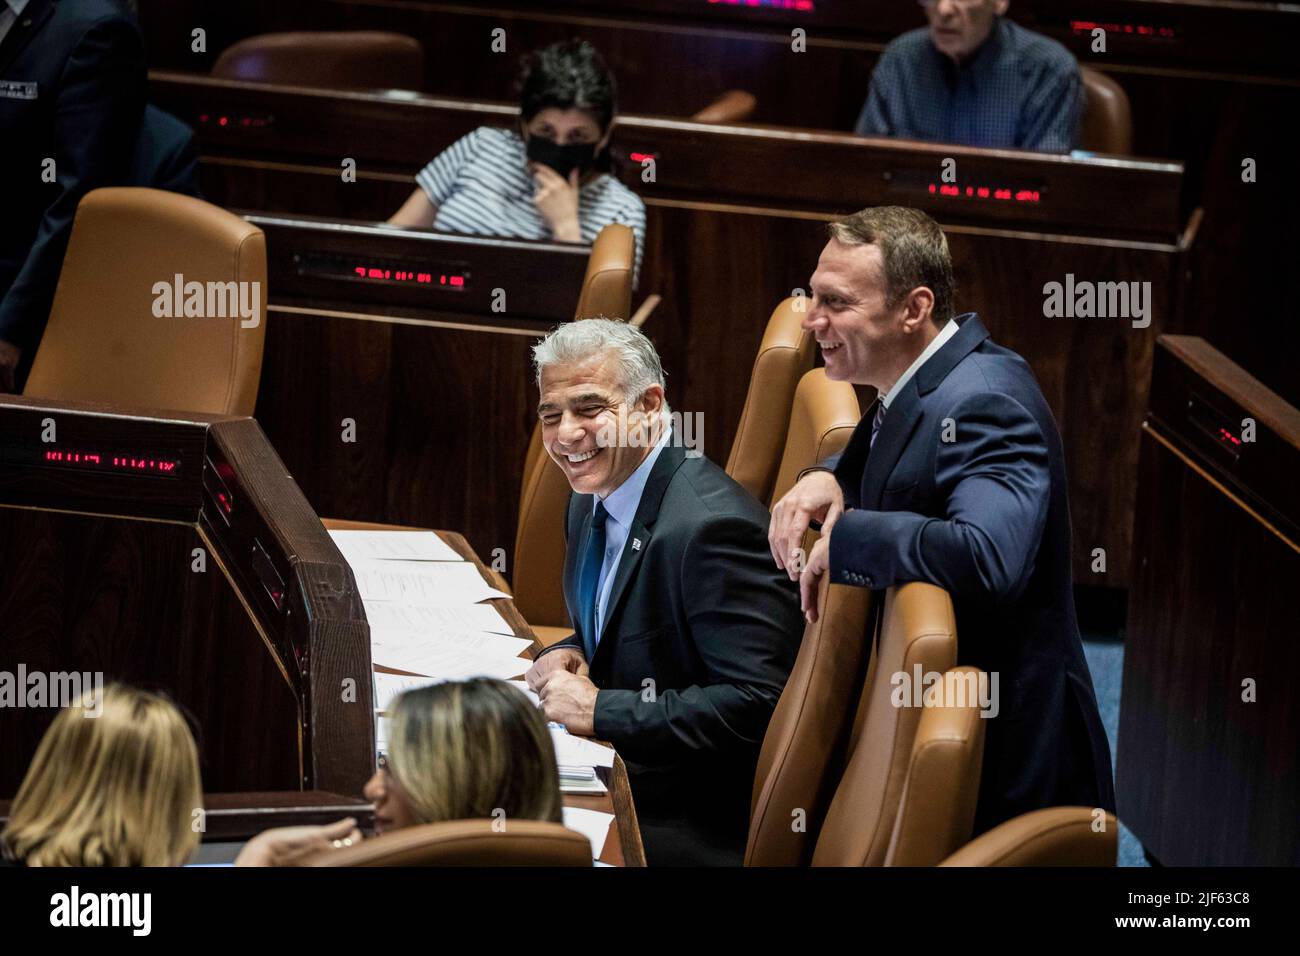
(17,6)
(623,501)
(945,333)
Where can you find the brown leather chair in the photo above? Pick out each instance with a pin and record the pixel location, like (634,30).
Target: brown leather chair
(917,628)
(730,107)
(349,59)
(784,355)
(1055,836)
(103,342)
(1107,122)
(936,813)
(803,750)
(467,843)
(537,579)
(822,418)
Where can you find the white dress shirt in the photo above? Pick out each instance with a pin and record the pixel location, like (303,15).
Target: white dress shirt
(622,504)
(945,333)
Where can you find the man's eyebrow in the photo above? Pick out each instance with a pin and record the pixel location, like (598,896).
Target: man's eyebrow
(582,399)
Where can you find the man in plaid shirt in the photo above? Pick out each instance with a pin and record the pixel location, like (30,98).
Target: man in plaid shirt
(975,79)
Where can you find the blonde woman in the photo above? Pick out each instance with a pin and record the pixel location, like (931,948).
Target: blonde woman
(465,750)
(118,789)
(115,782)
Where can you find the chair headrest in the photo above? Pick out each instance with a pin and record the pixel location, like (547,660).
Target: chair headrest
(468,843)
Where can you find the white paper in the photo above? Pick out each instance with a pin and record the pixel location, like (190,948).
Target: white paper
(435,583)
(394,546)
(593,824)
(400,638)
(571,751)
(422,617)
(451,662)
(388,686)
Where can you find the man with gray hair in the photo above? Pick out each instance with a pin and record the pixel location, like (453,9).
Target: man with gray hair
(684,632)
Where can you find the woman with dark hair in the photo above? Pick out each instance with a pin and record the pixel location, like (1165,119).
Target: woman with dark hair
(547,179)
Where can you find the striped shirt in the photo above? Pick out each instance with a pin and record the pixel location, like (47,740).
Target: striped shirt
(1019,90)
(482,186)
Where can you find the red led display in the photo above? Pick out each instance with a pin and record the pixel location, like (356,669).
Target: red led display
(1131,29)
(408,275)
(246,122)
(131,462)
(1003,193)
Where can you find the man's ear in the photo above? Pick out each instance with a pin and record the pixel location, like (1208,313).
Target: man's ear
(917,308)
(652,400)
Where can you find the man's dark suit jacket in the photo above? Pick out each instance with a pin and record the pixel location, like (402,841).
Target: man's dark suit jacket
(72,89)
(700,609)
(985,516)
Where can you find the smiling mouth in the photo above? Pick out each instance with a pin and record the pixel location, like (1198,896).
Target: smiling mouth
(579,457)
(829,346)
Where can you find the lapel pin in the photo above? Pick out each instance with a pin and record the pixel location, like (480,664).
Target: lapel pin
(636,544)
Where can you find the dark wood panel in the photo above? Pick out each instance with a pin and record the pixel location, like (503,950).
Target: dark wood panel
(117,596)
(442,418)
(1206,776)
(258,643)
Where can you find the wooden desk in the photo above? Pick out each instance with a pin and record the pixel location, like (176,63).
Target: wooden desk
(1208,756)
(623,845)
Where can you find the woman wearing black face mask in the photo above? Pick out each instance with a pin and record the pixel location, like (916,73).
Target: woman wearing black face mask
(547,179)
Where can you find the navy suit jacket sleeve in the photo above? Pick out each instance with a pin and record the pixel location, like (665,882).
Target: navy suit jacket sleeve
(996,481)
(97,116)
(741,621)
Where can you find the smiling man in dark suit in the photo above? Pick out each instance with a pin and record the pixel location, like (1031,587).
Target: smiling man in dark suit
(72,91)
(684,632)
(954,476)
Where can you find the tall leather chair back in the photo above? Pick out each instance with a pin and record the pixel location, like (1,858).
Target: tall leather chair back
(467,843)
(917,630)
(784,355)
(114,336)
(1053,836)
(936,813)
(360,59)
(822,418)
(538,577)
(803,750)
(1107,122)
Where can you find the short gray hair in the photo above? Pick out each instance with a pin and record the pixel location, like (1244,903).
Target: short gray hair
(572,342)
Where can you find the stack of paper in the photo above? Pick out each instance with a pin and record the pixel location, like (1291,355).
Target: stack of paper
(422,602)
(577,759)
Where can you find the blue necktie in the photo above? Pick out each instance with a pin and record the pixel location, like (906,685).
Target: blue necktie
(877,421)
(589,578)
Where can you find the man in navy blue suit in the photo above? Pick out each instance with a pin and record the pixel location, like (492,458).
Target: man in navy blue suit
(954,476)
